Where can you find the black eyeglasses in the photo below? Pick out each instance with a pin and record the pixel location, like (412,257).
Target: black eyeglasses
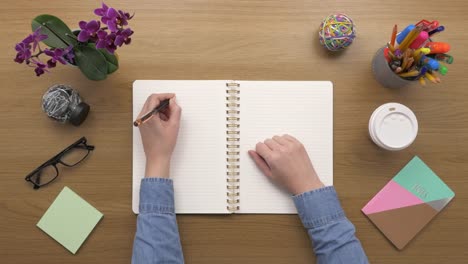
(71,156)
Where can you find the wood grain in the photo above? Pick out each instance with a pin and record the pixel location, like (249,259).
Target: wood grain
(232,39)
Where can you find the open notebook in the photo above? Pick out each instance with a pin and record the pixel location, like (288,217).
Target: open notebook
(221,121)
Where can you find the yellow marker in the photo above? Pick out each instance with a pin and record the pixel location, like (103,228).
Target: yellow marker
(419,52)
(423,50)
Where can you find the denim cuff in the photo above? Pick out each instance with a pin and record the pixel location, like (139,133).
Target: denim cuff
(157,196)
(319,207)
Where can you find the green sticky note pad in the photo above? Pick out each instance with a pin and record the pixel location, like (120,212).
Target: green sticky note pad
(69,220)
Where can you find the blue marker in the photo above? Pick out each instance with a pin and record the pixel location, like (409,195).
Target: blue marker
(430,62)
(400,37)
(439,29)
(422,71)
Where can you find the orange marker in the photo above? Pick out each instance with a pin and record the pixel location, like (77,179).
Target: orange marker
(438,47)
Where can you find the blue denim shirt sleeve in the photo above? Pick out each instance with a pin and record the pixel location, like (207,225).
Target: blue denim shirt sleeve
(332,234)
(157,236)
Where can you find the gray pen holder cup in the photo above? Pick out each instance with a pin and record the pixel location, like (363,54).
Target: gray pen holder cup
(384,74)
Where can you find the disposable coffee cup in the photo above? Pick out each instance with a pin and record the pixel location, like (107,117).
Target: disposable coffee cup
(393,126)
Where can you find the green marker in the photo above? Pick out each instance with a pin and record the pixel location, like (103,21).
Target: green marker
(443,69)
(444,57)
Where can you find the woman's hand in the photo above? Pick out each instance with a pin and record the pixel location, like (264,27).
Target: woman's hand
(284,160)
(159,134)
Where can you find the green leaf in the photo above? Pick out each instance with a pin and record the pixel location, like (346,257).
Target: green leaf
(55,29)
(91,62)
(112,61)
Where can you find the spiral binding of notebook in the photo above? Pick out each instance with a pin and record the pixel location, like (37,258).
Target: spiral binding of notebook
(232,145)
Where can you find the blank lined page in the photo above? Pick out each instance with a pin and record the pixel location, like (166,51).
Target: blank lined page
(198,165)
(302,109)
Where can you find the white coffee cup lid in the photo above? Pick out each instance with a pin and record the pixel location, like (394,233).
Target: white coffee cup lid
(393,126)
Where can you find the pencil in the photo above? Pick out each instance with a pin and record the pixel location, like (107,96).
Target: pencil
(422,81)
(409,38)
(412,73)
(410,63)
(405,60)
(430,77)
(392,41)
(163,105)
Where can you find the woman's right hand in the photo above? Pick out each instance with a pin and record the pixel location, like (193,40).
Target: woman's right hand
(285,161)
(159,134)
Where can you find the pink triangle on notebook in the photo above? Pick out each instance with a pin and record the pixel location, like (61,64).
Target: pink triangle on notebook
(392,196)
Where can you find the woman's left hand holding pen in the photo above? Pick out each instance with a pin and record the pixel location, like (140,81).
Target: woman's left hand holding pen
(159,134)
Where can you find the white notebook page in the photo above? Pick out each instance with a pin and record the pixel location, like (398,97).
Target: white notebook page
(301,109)
(198,165)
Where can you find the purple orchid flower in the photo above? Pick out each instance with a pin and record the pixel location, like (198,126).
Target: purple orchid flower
(56,55)
(24,52)
(88,30)
(109,16)
(106,41)
(113,34)
(112,18)
(23,48)
(69,55)
(35,38)
(123,37)
(124,17)
(101,11)
(40,69)
(60,55)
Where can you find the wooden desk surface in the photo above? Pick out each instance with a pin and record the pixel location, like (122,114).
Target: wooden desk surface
(244,40)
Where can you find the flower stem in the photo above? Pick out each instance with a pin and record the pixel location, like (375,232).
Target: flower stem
(37,55)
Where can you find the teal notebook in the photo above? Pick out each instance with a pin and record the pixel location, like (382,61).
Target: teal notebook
(408,202)
(69,220)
